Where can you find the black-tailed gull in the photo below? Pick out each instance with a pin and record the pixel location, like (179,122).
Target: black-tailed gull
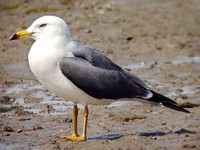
(79,73)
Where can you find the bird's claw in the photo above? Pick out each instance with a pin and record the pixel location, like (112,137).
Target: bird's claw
(73,138)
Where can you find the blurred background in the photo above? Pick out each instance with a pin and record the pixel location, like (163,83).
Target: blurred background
(158,40)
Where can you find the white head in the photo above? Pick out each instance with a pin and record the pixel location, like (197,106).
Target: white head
(45,28)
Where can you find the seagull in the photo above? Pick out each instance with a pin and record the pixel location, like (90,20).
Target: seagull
(79,73)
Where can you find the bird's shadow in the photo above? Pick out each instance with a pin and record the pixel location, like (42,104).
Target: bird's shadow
(146,134)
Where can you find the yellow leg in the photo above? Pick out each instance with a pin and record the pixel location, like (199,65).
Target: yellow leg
(85,114)
(75,132)
(75,136)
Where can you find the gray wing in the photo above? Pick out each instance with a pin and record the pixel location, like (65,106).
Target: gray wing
(95,57)
(99,77)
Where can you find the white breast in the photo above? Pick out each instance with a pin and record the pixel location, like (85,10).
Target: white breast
(43,60)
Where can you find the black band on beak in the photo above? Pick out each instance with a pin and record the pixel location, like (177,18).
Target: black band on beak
(14,37)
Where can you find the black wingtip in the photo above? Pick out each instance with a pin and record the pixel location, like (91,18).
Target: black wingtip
(167,102)
(174,106)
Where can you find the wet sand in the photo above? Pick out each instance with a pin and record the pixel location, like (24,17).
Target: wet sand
(159,41)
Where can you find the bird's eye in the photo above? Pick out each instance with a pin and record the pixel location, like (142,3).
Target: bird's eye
(43,25)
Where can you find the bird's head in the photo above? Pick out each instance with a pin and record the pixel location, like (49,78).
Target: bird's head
(44,28)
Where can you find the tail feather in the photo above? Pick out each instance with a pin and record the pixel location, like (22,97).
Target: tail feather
(158,98)
(174,106)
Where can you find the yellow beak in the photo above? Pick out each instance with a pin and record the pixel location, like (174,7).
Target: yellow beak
(21,34)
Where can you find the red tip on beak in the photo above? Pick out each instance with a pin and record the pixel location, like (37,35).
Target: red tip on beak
(14,37)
